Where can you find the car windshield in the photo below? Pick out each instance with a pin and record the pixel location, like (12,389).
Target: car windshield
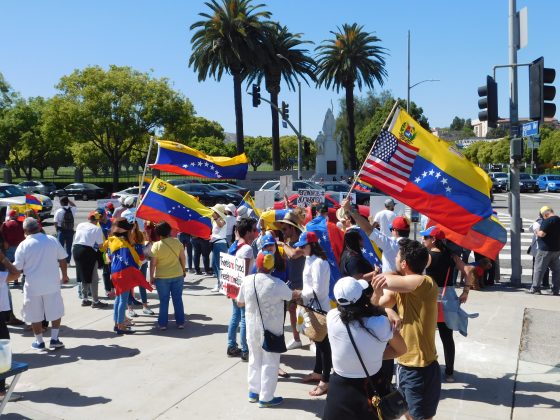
(74,186)
(500,175)
(91,186)
(525,176)
(269,185)
(11,191)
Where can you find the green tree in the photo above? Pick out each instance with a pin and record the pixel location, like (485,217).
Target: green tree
(228,39)
(497,133)
(549,150)
(471,152)
(7,95)
(457,124)
(115,109)
(289,152)
(485,155)
(87,155)
(500,151)
(258,150)
(351,58)
(213,146)
(285,60)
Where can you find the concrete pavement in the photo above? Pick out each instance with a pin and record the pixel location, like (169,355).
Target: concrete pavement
(181,374)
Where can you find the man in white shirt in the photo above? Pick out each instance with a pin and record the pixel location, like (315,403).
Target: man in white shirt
(64,223)
(39,256)
(263,297)
(384,218)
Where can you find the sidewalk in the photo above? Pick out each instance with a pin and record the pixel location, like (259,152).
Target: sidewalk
(180,374)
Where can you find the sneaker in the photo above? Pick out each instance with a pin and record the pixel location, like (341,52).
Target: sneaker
(233,352)
(216,289)
(148,311)
(56,344)
(272,403)
(294,344)
(554,292)
(15,322)
(191,270)
(38,346)
(449,378)
(244,356)
(122,332)
(132,314)
(86,302)
(535,291)
(99,304)
(253,397)
(181,326)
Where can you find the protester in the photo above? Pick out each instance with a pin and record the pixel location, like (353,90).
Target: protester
(534,228)
(352,261)
(201,248)
(415,294)
(12,233)
(64,224)
(140,247)
(350,387)
(109,209)
(167,271)
(39,257)
(88,244)
(263,297)
(185,239)
(315,294)
(230,211)
(247,231)
(291,229)
(548,252)
(384,218)
(118,211)
(218,240)
(105,225)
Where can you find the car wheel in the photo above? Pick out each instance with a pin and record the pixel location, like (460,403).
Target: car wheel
(85,197)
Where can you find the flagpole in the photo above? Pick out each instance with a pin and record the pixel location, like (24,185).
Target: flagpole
(372,146)
(144,173)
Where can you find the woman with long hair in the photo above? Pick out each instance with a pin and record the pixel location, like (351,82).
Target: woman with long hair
(315,294)
(352,261)
(356,320)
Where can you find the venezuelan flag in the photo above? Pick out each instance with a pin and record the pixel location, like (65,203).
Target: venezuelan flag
(370,250)
(178,158)
(428,174)
(164,202)
(125,266)
(270,217)
(250,204)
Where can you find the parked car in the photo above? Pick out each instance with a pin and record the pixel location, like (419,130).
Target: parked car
(39,187)
(331,200)
(526,183)
(495,185)
(224,186)
(502,179)
(82,190)
(181,181)
(128,192)
(549,183)
(13,195)
(209,195)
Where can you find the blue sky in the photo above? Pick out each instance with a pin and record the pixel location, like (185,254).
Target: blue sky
(456,42)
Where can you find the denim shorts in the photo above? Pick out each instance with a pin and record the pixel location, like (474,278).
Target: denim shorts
(421,387)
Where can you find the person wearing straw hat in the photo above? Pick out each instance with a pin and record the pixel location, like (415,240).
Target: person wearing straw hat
(218,240)
(291,229)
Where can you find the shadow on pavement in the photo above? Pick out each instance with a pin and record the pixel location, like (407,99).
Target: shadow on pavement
(14,416)
(311,405)
(64,397)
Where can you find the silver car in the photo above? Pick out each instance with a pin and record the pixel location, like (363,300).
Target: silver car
(39,187)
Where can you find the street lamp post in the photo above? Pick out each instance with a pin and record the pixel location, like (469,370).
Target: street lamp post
(408,85)
(299,154)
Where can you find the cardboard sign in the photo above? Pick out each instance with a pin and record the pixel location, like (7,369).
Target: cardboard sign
(285,185)
(232,271)
(307,197)
(342,196)
(264,199)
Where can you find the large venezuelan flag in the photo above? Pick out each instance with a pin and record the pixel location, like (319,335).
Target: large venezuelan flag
(164,202)
(178,158)
(428,174)
(125,266)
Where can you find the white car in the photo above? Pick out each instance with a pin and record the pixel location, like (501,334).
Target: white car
(128,192)
(13,195)
(39,187)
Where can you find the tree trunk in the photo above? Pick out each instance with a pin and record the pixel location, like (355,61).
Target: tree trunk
(116,173)
(307,154)
(42,172)
(237,79)
(275,132)
(351,126)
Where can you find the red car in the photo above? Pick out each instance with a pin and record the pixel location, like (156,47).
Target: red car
(330,200)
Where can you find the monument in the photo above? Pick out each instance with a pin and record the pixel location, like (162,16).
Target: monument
(329,161)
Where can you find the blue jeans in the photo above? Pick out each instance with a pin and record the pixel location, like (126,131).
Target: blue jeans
(165,288)
(66,237)
(237,320)
(119,307)
(218,247)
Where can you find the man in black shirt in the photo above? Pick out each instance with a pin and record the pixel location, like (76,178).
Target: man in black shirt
(548,251)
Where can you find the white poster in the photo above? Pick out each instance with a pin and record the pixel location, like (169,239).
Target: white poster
(343,195)
(232,271)
(307,197)
(264,199)
(285,186)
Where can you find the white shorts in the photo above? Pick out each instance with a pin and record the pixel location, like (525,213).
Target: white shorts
(37,308)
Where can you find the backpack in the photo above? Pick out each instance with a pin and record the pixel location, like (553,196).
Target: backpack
(67,220)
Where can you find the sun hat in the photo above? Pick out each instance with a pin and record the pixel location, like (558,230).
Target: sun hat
(265,261)
(220,210)
(434,232)
(242,213)
(231,207)
(348,290)
(291,218)
(306,238)
(400,223)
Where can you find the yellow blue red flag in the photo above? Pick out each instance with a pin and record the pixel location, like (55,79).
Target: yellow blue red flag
(178,158)
(250,204)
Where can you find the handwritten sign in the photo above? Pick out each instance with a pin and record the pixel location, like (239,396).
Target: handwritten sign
(232,271)
(343,195)
(307,197)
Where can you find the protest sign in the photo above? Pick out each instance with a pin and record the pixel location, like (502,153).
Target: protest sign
(343,195)
(232,271)
(264,199)
(285,185)
(307,197)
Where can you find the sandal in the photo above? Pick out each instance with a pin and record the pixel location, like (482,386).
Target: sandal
(319,390)
(311,377)
(283,374)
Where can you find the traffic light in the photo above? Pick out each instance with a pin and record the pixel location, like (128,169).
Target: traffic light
(256,95)
(540,91)
(285,111)
(488,102)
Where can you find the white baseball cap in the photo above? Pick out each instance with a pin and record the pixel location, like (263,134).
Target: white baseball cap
(348,290)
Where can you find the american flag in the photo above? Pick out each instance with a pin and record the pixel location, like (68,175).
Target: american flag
(389,164)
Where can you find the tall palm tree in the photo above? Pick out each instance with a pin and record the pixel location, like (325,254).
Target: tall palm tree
(351,58)
(284,60)
(228,39)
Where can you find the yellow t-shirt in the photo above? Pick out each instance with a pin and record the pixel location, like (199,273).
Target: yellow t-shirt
(418,310)
(167,252)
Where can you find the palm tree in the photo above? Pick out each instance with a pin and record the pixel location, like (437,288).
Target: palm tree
(351,58)
(284,60)
(228,40)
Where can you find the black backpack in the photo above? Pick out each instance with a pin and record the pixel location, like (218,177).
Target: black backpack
(67,220)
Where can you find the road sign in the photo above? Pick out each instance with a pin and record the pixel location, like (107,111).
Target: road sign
(533,142)
(530,129)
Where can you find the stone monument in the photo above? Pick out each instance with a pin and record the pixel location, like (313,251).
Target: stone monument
(329,161)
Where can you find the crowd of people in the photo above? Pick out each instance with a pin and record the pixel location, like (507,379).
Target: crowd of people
(381,316)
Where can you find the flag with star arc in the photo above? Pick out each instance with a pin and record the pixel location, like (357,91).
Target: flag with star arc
(125,266)
(180,159)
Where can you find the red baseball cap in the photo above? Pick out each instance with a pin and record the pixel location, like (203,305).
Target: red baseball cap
(434,232)
(400,223)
